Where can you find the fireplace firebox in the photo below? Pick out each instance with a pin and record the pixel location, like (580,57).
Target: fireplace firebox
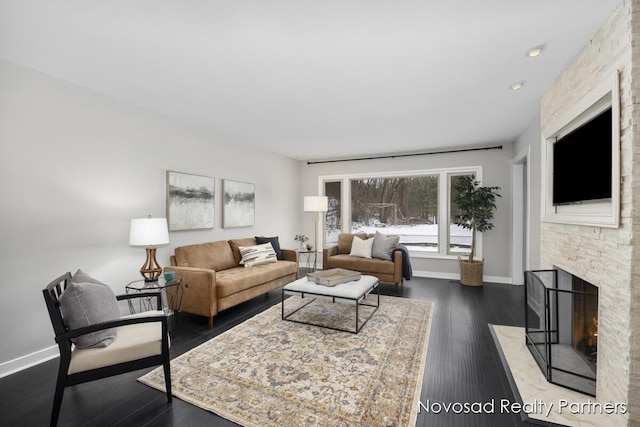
(561,328)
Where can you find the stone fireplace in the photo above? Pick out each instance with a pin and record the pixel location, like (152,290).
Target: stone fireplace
(606,256)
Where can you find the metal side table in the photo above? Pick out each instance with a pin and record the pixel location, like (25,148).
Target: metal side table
(170,294)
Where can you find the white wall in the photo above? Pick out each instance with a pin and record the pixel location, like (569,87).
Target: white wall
(529,141)
(76,166)
(496,172)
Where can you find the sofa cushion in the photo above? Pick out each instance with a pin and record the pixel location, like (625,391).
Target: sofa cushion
(235,247)
(257,254)
(229,282)
(275,243)
(215,255)
(384,245)
(345,240)
(361,247)
(363,265)
(87,301)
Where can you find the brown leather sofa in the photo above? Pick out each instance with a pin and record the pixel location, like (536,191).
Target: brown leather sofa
(214,279)
(338,257)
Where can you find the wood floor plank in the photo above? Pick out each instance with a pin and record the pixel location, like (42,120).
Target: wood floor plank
(462,366)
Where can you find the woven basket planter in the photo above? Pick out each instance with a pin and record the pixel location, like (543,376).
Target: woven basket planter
(471,272)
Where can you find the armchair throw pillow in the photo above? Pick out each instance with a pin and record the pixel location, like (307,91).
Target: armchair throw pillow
(87,301)
(383,245)
(361,248)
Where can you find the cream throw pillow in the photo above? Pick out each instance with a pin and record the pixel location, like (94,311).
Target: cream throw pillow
(257,254)
(361,248)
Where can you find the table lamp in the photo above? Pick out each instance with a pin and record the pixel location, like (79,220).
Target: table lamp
(149,232)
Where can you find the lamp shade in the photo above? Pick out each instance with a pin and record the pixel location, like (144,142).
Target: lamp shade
(316,203)
(148,232)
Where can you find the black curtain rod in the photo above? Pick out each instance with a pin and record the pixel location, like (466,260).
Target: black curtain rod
(393,156)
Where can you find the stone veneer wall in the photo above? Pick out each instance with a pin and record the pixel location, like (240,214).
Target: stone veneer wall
(606,256)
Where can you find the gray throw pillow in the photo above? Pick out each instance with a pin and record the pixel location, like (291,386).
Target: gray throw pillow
(86,301)
(383,245)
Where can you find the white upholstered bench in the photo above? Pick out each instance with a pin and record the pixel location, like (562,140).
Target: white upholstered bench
(354,292)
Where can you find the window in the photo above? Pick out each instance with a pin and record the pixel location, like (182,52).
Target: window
(415,205)
(405,206)
(333,219)
(459,238)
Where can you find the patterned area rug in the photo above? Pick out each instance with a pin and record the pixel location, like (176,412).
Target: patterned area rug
(270,372)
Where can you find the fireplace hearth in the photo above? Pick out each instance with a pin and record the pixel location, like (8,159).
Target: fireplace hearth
(561,328)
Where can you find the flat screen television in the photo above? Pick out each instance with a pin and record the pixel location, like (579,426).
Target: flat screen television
(582,166)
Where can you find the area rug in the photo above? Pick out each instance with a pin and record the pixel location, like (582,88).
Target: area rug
(270,372)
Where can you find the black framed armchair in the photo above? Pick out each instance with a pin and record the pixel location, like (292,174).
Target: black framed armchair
(142,341)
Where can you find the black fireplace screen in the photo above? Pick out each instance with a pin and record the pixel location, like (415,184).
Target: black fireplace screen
(561,323)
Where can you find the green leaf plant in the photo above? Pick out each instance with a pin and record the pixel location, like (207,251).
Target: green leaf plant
(475,207)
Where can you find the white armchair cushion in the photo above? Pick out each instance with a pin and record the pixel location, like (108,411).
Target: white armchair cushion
(133,342)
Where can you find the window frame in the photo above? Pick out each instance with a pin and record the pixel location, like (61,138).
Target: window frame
(323,223)
(444,204)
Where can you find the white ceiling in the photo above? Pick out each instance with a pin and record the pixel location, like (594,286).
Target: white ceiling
(314,79)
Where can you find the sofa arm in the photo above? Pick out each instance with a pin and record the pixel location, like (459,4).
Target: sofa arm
(327,252)
(397,266)
(199,290)
(290,255)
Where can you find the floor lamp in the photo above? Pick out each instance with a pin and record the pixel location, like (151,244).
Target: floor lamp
(316,204)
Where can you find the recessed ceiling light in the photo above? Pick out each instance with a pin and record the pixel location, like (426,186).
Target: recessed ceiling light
(517,86)
(536,51)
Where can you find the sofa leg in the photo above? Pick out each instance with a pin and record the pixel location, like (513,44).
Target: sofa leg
(210,322)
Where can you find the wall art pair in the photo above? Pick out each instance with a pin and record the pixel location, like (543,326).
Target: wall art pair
(191,202)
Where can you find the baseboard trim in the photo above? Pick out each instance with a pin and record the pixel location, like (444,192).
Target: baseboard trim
(456,276)
(23,362)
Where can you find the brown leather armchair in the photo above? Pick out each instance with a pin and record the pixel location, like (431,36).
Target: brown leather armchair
(385,270)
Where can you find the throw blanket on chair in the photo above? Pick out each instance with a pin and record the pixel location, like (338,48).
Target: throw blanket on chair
(407,272)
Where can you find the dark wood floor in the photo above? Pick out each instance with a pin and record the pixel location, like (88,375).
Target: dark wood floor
(463,366)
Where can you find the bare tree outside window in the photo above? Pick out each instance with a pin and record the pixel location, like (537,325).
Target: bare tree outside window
(405,206)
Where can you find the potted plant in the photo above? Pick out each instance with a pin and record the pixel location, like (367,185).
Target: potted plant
(301,239)
(475,206)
